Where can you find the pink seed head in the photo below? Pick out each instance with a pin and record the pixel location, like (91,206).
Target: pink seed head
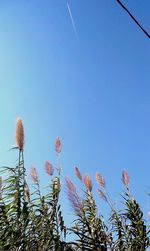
(19,134)
(49,168)
(100,180)
(58,145)
(77,173)
(73,197)
(88,183)
(34,175)
(102,195)
(27,192)
(125,178)
(69,184)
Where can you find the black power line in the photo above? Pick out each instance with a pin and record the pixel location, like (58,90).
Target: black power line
(133,18)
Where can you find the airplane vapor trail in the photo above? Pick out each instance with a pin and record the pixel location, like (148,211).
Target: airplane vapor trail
(72,20)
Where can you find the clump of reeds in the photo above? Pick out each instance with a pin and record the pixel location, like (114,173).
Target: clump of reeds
(31,219)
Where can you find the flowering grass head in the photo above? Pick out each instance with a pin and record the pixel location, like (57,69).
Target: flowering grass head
(49,168)
(78,174)
(100,180)
(73,197)
(27,192)
(88,183)
(102,195)
(19,134)
(34,175)
(125,178)
(58,145)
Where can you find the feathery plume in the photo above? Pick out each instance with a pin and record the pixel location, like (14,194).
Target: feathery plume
(70,186)
(34,175)
(125,178)
(58,145)
(27,192)
(49,168)
(101,194)
(100,180)
(19,134)
(77,173)
(73,197)
(88,183)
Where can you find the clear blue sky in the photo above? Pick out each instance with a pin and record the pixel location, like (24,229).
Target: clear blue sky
(91,89)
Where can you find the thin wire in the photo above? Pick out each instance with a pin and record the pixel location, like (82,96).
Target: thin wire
(133,18)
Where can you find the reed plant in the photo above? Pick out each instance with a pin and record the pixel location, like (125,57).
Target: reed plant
(31,221)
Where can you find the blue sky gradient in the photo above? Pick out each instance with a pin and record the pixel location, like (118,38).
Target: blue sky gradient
(92,90)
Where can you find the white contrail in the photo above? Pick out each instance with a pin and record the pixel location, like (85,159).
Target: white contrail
(72,20)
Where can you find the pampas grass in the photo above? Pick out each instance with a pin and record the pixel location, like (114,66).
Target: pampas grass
(31,221)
